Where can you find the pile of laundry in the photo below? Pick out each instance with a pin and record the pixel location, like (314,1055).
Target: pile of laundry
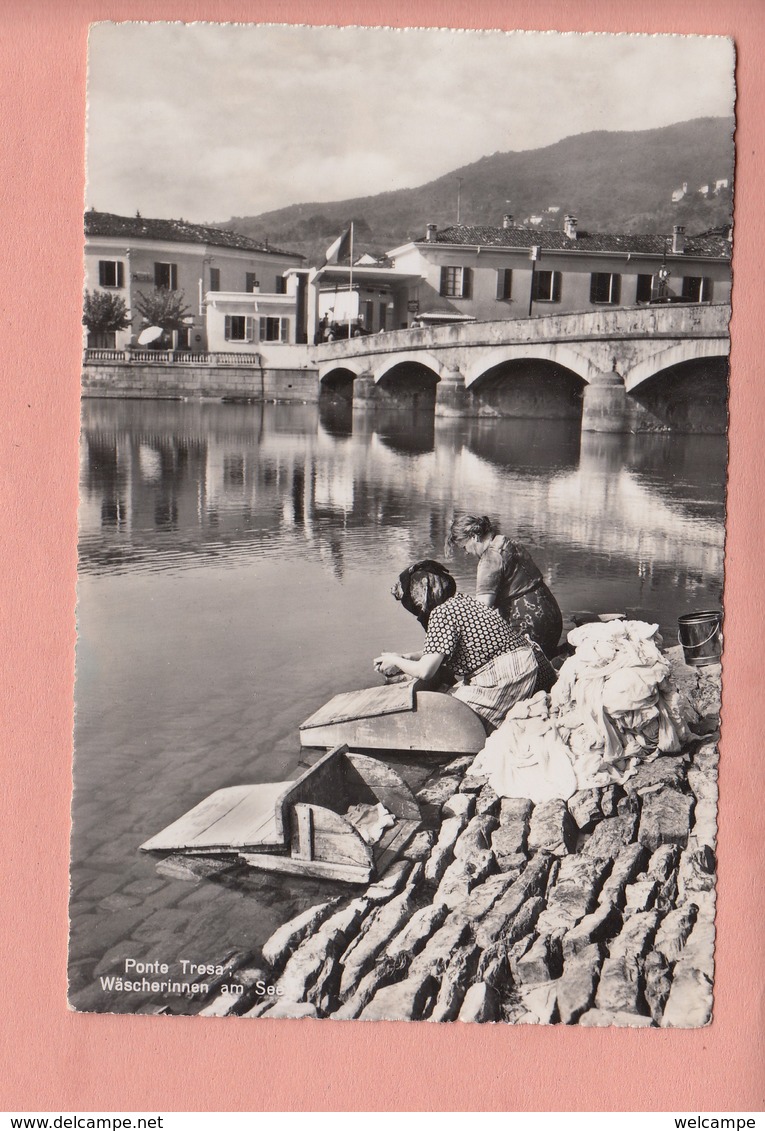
(614,706)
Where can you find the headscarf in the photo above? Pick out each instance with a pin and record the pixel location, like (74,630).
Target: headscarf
(402,589)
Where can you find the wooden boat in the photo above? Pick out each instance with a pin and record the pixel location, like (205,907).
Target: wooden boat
(395,718)
(302,827)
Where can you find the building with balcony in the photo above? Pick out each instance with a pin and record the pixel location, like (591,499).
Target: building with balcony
(236,290)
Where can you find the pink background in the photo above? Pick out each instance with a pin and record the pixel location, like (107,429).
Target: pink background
(56,1060)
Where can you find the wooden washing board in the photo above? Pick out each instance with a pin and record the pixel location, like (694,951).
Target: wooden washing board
(396,717)
(299,827)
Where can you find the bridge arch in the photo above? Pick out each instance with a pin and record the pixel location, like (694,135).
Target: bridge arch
(328,369)
(690,395)
(527,386)
(557,352)
(693,349)
(415,357)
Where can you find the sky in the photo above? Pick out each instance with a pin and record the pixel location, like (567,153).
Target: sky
(209,121)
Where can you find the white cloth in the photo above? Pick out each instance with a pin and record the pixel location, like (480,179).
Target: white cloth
(613,707)
(525,756)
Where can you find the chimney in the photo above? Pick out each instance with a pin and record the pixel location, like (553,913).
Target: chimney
(430,232)
(507,220)
(678,239)
(569,226)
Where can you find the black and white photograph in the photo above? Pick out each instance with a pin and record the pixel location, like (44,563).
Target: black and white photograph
(403,466)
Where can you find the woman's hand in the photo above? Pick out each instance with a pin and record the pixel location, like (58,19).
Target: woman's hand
(386,663)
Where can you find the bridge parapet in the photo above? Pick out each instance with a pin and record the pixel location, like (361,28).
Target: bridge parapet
(672,321)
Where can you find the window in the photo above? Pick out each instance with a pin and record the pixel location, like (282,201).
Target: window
(215,278)
(697,289)
(239,328)
(604,288)
(504,284)
(546,286)
(251,282)
(644,289)
(280,287)
(166,276)
(274,329)
(111,273)
(455,282)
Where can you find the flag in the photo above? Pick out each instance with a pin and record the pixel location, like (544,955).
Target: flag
(341,247)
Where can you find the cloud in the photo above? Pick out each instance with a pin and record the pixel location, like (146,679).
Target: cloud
(209,121)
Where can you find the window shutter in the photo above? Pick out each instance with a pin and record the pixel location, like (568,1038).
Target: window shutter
(173,277)
(595,288)
(616,288)
(285,331)
(556,286)
(706,290)
(444,281)
(249,329)
(157,274)
(263,329)
(467,282)
(102,273)
(227,332)
(504,283)
(120,274)
(643,288)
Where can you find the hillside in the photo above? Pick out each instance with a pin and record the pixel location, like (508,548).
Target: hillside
(612,181)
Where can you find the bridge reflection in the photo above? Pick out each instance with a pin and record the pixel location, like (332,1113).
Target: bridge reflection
(167,486)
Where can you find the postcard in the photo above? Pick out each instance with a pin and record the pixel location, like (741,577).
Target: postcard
(402,524)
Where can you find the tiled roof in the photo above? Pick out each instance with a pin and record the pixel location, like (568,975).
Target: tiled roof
(713,246)
(177,231)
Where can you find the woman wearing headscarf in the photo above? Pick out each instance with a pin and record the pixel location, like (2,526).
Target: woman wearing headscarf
(494,665)
(509,580)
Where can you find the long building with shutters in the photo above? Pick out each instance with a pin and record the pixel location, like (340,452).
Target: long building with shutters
(236,291)
(487,273)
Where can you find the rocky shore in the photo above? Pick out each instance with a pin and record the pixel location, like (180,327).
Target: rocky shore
(598,911)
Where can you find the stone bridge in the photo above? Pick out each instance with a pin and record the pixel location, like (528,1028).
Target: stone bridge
(643,369)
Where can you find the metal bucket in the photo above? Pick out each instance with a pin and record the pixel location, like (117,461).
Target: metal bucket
(701,637)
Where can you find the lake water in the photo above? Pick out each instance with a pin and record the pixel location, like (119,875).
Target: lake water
(235,568)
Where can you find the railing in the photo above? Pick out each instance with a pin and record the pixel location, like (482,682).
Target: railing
(104,355)
(172,357)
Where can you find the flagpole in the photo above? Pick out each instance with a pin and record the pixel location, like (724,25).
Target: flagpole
(350,285)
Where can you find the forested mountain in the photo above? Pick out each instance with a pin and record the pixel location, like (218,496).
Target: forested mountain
(612,181)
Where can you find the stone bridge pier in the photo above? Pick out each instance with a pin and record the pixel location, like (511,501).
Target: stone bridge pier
(647,369)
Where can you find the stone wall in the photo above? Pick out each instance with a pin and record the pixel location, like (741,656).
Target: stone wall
(134,379)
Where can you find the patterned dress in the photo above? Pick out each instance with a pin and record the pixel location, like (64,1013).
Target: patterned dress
(507,574)
(497,666)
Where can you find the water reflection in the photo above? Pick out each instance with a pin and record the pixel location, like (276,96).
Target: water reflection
(170,485)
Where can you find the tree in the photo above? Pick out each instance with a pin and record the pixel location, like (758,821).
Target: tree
(163,307)
(103,311)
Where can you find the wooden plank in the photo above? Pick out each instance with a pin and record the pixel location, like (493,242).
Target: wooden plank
(389,849)
(439,724)
(249,822)
(188,827)
(303,849)
(315,868)
(368,701)
(234,817)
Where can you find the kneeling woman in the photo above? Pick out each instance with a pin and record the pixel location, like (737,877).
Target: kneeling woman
(509,580)
(494,665)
